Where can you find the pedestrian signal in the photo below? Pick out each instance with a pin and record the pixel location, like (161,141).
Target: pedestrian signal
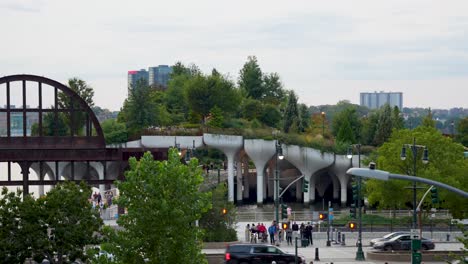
(352,225)
(285,226)
(224,211)
(323,216)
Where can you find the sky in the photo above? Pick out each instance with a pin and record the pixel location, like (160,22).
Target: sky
(326,51)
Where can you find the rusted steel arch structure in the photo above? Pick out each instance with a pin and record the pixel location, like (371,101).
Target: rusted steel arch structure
(61,151)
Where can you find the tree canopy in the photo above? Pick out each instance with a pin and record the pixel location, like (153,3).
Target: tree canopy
(446,164)
(163,201)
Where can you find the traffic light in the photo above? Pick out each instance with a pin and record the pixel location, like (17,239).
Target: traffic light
(434,195)
(323,216)
(305,186)
(355,190)
(284,211)
(352,225)
(224,211)
(285,226)
(352,211)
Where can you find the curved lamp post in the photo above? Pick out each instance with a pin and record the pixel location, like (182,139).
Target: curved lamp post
(359,253)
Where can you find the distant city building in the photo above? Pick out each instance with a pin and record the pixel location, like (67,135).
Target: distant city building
(135,76)
(158,75)
(378,99)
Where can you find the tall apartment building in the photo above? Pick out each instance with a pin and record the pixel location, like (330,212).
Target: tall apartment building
(158,75)
(378,99)
(135,76)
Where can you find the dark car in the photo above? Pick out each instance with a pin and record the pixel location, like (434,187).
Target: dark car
(402,242)
(387,237)
(258,254)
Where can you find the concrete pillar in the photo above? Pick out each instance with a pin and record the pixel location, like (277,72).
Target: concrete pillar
(342,163)
(336,187)
(246,178)
(239,180)
(299,193)
(311,194)
(343,195)
(260,151)
(307,161)
(271,180)
(229,145)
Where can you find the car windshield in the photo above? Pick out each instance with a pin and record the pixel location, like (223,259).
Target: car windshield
(392,235)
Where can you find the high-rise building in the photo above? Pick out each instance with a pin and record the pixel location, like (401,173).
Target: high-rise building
(159,75)
(378,99)
(134,76)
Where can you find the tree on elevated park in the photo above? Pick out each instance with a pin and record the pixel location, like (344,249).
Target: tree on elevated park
(59,224)
(346,126)
(163,201)
(114,132)
(291,114)
(446,164)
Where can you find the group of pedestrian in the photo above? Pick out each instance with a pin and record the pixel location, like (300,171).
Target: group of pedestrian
(98,201)
(276,233)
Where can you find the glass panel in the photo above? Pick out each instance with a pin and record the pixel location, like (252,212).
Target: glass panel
(47,96)
(32,95)
(3,99)
(16,95)
(32,124)
(16,122)
(3,124)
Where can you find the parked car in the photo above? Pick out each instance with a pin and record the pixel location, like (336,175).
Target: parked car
(258,254)
(402,242)
(387,237)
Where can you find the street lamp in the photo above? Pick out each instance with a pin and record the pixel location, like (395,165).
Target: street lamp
(189,154)
(425,160)
(279,156)
(359,253)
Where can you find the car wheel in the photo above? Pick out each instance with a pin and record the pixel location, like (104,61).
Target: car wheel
(425,247)
(387,248)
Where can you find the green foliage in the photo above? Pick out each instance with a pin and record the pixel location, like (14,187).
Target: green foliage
(384,125)
(163,201)
(462,129)
(49,125)
(219,227)
(217,118)
(346,126)
(251,109)
(202,93)
(345,134)
(291,113)
(60,223)
(273,88)
(251,79)
(428,121)
(446,164)
(397,119)
(270,116)
(114,132)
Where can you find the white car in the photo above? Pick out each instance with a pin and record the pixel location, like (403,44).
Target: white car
(387,237)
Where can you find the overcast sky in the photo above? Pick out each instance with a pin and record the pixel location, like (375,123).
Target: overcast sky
(326,51)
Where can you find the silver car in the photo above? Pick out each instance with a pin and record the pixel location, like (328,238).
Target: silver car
(387,237)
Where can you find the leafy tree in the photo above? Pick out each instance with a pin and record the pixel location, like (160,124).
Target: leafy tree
(219,226)
(139,109)
(251,109)
(114,132)
(304,121)
(163,201)
(251,79)
(384,125)
(397,119)
(274,92)
(217,118)
(204,92)
(291,113)
(49,125)
(369,128)
(346,125)
(78,118)
(446,165)
(428,121)
(462,129)
(60,223)
(270,116)
(19,228)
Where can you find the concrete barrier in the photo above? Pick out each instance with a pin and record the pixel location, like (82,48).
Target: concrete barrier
(405,256)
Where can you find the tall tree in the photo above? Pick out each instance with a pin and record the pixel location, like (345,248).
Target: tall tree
(304,118)
(251,79)
(345,134)
(369,127)
(114,132)
(291,114)
(397,119)
(462,129)
(346,121)
(446,164)
(77,118)
(163,202)
(384,125)
(274,92)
